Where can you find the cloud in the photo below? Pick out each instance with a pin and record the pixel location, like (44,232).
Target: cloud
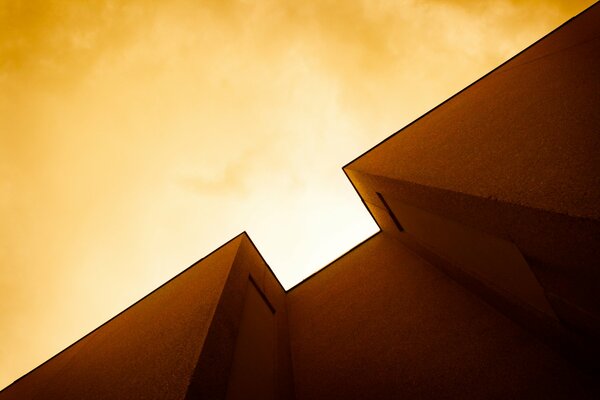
(137,136)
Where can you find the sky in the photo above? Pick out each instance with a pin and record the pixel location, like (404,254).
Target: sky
(136,137)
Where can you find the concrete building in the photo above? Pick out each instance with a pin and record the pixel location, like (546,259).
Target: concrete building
(482,282)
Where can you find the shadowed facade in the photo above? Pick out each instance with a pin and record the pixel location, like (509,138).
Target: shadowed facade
(481,284)
(188,339)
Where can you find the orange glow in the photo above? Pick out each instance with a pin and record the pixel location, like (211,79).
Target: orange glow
(135,139)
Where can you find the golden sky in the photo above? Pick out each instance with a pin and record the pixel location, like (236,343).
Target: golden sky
(136,137)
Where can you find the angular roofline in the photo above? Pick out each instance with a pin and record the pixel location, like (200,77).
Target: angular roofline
(334,261)
(244,233)
(263,259)
(127,309)
(597,3)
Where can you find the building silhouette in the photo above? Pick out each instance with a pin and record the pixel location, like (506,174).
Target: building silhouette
(482,283)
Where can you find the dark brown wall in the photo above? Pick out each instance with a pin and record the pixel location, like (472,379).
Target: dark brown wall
(253,374)
(148,351)
(382,323)
(489,258)
(262,279)
(527,133)
(509,165)
(225,352)
(515,156)
(218,330)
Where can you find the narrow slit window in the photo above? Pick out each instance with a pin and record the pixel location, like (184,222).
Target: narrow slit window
(389,210)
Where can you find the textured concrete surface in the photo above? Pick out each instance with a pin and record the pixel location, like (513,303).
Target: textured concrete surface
(382,323)
(515,156)
(509,166)
(182,340)
(527,133)
(211,377)
(489,258)
(253,368)
(148,351)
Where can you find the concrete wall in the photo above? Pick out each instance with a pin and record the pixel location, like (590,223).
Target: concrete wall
(382,323)
(526,133)
(148,351)
(515,157)
(243,336)
(253,370)
(497,187)
(218,330)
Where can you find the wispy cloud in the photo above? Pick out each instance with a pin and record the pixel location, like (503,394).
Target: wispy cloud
(137,136)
